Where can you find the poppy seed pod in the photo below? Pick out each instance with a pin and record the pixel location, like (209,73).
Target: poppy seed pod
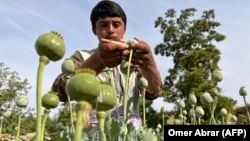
(107,98)
(124,67)
(132,41)
(206,98)
(163,110)
(83,86)
(184,112)
(7,114)
(159,126)
(50,100)
(243,91)
(68,66)
(223,112)
(199,111)
(22,101)
(234,118)
(180,116)
(181,104)
(214,92)
(60,126)
(143,83)
(217,75)
(50,45)
(192,99)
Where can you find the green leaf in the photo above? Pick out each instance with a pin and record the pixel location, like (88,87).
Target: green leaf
(112,128)
(148,135)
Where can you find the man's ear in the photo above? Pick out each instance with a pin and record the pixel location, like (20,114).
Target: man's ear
(94,30)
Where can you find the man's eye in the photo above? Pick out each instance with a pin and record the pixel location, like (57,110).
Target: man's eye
(116,24)
(104,24)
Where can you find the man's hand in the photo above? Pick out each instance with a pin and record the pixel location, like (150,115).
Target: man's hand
(142,54)
(109,53)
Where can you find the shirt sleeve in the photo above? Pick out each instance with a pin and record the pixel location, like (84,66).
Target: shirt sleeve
(60,81)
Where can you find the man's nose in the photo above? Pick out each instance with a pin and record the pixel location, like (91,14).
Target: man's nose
(111,28)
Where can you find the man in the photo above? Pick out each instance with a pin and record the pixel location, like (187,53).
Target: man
(109,24)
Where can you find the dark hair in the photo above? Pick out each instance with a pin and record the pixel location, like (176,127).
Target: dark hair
(107,8)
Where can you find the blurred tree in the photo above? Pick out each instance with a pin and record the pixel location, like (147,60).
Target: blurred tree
(10,86)
(190,42)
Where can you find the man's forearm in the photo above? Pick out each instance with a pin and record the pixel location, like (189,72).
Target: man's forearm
(152,74)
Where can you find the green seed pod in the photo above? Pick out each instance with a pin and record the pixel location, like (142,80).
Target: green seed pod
(214,92)
(243,91)
(181,104)
(131,41)
(206,98)
(163,110)
(107,98)
(157,130)
(143,83)
(192,99)
(218,122)
(158,126)
(234,118)
(50,100)
(124,67)
(22,101)
(223,112)
(217,75)
(50,45)
(125,64)
(199,111)
(184,112)
(68,66)
(59,126)
(180,116)
(7,114)
(191,113)
(83,86)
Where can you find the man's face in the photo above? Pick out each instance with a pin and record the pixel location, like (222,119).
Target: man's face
(110,28)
